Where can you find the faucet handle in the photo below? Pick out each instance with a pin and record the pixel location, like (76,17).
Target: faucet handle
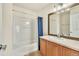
(62,34)
(3,47)
(0,46)
(58,35)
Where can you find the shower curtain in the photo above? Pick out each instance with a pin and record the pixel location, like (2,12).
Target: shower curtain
(22,35)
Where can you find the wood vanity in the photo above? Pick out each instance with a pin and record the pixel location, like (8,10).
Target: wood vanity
(64,24)
(48,48)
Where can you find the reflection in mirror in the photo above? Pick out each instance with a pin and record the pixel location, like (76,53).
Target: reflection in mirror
(74,21)
(53,24)
(64,22)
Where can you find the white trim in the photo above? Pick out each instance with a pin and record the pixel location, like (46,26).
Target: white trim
(7,26)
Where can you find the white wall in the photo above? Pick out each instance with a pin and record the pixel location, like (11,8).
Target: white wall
(44,13)
(7,27)
(0,23)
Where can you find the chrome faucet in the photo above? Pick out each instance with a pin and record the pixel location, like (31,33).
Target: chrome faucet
(58,35)
(3,47)
(62,34)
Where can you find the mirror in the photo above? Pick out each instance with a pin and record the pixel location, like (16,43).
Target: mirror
(64,22)
(53,24)
(74,21)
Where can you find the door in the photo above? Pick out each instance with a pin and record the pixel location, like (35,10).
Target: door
(40,30)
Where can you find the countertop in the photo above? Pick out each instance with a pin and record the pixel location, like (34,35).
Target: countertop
(73,44)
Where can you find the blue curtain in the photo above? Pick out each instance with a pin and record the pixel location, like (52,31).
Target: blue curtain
(40,30)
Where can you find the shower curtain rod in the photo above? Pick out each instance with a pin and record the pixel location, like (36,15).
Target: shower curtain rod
(23,13)
(20,11)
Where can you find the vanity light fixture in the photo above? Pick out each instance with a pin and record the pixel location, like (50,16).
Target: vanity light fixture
(27,23)
(67,9)
(54,9)
(65,5)
(60,5)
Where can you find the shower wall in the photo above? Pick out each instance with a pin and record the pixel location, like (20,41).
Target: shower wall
(24,33)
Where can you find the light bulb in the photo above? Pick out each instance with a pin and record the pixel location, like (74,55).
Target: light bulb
(58,8)
(27,23)
(54,9)
(67,9)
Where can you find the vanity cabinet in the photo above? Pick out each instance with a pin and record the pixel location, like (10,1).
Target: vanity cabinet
(52,49)
(43,47)
(48,48)
(70,52)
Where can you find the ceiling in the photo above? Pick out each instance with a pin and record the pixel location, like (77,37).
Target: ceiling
(32,6)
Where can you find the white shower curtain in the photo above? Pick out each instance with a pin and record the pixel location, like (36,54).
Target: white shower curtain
(22,35)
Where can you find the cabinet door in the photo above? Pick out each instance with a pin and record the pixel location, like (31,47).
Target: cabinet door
(50,49)
(74,53)
(66,51)
(60,50)
(53,49)
(43,47)
(69,52)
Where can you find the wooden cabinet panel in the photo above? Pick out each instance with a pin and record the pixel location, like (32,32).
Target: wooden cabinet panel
(69,52)
(60,50)
(74,53)
(52,49)
(43,44)
(66,52)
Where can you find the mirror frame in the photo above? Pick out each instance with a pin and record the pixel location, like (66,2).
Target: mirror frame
(69,37)
(49,24)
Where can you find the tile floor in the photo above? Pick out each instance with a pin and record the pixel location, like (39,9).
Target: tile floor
(35,53)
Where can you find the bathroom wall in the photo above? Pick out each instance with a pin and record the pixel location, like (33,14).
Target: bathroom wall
(44,13)
(7,27)
(0,23)
(1,38)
